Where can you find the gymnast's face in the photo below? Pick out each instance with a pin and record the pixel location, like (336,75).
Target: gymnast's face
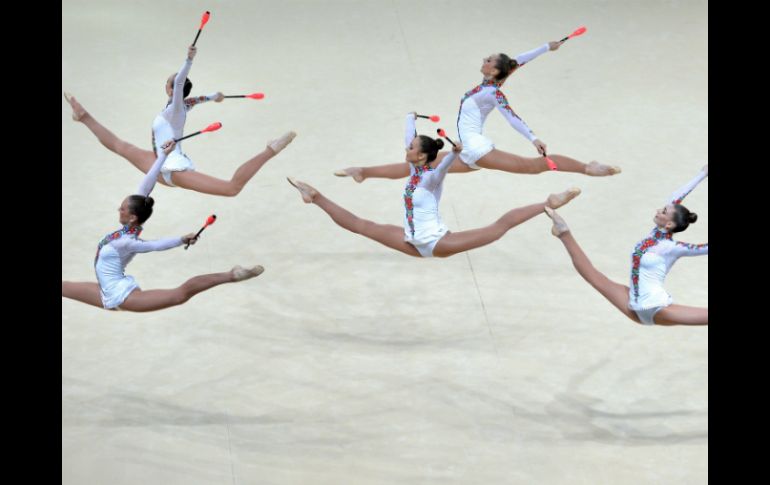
(488,68)
(414,155)
(664,218)
(126,217)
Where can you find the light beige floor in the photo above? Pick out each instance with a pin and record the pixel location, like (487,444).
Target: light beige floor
(346,362)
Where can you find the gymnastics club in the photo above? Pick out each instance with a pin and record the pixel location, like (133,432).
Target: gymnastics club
(252,96)
(578,31)
(433,118)
(551,164)
(443,133)
(204,19)
(211,127)
(212,218)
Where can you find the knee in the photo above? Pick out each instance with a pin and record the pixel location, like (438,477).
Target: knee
(182,295)
(499,228)
(362,226)
(232,189)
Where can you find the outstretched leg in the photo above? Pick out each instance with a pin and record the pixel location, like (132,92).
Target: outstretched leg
(141,159)
(616,293)
(508,162)
(82,291)
(396,170)
(200,182)
(150,300)
(385,234)
(457,242)
(682,315)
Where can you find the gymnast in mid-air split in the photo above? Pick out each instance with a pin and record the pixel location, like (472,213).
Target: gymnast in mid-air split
(117,291)
(645,300)
(178,170)
(423,233)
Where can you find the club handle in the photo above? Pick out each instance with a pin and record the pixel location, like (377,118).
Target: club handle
(187,136)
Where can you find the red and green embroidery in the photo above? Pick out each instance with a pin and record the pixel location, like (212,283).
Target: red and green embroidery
(692,247)
(414,181)
(639,250)
(484,83)
(190,102)
(680,199)
(136,230)
(499,96)
(503,101)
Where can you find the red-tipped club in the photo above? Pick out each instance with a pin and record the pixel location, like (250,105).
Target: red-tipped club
(211,127)
(442,134)
(551,164)
(250,96)
(209,221)
(204,19)
(433,118)
(578,31)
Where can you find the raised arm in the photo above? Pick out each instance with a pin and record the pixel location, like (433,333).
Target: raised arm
(410,132)
(177,97)
(435,178)
(148,182)
(683,191)
(448,159)
(525,57)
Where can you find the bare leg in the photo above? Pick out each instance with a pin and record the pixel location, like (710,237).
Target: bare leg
(396,170)
(385,234)
(82,291)
(682,315)
(141,159)
(508,162)
(616,293)
(150,300)
(457,242)
(200,182)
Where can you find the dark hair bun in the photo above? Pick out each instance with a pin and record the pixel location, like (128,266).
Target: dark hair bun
(440,143)
(692,217)
(149,202)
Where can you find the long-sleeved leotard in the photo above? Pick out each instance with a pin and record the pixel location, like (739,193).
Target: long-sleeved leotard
(654,256)
(476,105)
(422,222)
(169,124)
(118,248)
